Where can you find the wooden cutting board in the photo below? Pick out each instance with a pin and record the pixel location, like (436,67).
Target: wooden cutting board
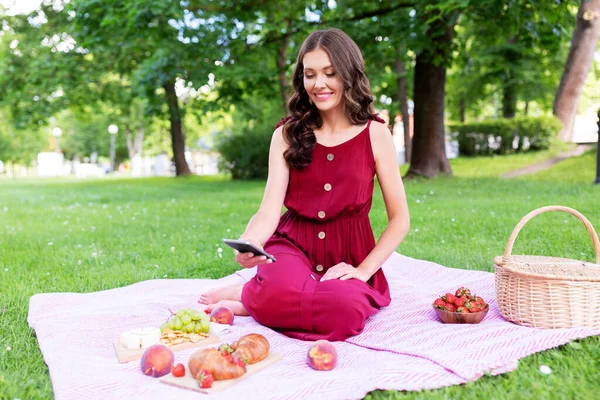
(125,355)
(187,382)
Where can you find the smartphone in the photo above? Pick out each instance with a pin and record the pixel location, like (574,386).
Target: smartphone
(244,246)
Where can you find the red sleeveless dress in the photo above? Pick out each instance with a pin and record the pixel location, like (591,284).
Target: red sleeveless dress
(326,223)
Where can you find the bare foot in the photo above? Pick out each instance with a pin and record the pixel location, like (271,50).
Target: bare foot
(231,292)
(236,306)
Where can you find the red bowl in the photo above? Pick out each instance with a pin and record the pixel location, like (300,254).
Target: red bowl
(448,317)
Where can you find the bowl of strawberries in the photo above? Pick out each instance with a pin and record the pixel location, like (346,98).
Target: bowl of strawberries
(462,307)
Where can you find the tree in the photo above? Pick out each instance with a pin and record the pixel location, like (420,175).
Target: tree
(157,43)
(19,146)
(47,75)
(428,150)
(579,60)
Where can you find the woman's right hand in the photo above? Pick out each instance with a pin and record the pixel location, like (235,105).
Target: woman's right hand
(249,260)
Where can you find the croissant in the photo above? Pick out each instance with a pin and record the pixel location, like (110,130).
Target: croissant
(252,348)
(213,361)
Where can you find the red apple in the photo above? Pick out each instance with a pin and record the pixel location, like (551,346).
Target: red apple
(222,315)
(157,360)
(322,356)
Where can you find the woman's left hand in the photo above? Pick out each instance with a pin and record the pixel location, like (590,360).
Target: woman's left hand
(343,271)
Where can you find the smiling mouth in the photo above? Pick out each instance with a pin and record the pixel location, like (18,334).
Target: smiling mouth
(323,96)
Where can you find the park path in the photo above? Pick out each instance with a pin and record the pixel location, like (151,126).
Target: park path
(530,169)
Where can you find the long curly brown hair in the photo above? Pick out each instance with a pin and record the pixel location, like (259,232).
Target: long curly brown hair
(304,116)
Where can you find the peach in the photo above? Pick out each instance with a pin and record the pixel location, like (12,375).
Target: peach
(222,315)
(322,356)
(157,361)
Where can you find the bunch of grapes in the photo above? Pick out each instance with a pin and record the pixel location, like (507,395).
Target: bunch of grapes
(187,320)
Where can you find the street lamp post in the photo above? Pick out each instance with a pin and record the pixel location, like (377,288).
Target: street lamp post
(112,129)
(598,153)
(57,133)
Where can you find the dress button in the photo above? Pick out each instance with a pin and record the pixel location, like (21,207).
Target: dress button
(330,157)
(327,187)
(321,214)
(321,235)
(319,268)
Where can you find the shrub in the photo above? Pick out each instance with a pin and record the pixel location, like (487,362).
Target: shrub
(503,136)
(245,154)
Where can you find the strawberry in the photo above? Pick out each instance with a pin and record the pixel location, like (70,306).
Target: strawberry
(460,301)
(469,305)
(479,301)
(229,358)
(178,370)
(475,307)
(439,303)
(450,307)
(240,361)
(205,379)
(450,298)
(462,310)
(463,292)
(207,311)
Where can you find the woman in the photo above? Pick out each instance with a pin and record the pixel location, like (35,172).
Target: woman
(327,279)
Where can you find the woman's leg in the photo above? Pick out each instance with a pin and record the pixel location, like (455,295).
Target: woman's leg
(231,292)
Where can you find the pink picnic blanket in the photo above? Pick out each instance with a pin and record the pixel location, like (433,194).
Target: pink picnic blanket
(403,347)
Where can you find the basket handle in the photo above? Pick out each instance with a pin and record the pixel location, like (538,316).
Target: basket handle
(525,219)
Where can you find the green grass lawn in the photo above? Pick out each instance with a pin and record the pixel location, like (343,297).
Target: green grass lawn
(83,236)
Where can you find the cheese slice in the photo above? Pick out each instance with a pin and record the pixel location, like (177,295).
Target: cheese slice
(140,338)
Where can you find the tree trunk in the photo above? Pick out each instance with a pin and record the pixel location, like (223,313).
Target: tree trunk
(509,96)
(129,142)
(509,84)
(177,139)
(581,54)
(428,157)
(138,142)
(526,112)
(461,109)
(403,100)
(135,145)
(282,67)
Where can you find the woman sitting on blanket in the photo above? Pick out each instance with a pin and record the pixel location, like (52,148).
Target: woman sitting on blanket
(327,279)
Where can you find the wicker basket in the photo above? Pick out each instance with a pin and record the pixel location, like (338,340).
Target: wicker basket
(548,292)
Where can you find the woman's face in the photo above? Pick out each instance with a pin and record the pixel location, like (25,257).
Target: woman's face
(322,83)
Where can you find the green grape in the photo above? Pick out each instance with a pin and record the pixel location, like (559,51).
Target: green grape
(163,327)
(185,319)
(170,325)
(189,328)
(204,317)
(176,323)
(195,315)
(198,327)
(180,313)
(205,325)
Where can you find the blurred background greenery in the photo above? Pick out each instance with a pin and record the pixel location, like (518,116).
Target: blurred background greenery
(195,74)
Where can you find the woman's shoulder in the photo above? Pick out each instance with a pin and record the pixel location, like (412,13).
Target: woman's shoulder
(379,132)
(378,126)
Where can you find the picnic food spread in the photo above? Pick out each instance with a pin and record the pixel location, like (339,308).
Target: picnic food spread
(230,360)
